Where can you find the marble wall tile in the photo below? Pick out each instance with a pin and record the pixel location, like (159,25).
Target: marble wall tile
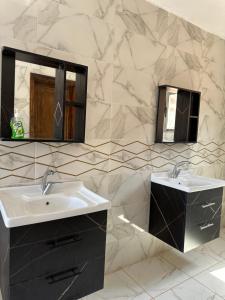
(186,36)
(132,87)
(54,33)
(179,68)
(103,9)
(17,163)
(131,122)
(81,158)
(142,18)
(98,116)
(119,285)
(132,50)
(130,191)
(124,251)
(100,76)
(18,20)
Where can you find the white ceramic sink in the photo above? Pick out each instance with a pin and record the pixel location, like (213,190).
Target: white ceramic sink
(25,205)
(187,182)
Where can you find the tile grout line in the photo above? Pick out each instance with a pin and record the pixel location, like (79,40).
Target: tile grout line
(165,290)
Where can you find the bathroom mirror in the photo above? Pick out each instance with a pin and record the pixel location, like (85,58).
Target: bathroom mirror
(48,96)
(178,113)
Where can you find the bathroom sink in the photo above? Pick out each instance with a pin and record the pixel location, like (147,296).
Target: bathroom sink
(53,204)
(187,182)
(25,205)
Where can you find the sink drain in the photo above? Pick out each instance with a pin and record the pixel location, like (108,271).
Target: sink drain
(47,203)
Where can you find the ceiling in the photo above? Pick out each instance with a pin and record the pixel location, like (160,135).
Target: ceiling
(207,14)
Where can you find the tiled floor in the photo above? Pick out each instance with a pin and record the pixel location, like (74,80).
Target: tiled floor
(197,275)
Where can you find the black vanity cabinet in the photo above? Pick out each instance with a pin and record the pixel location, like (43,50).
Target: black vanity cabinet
(185,220)
(178,115)
(61,259)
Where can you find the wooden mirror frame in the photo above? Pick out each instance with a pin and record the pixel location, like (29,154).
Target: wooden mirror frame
(9,57)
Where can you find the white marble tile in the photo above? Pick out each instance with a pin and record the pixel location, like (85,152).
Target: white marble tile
(142,18)
(98,34)
(174,67)
(119,286)
(100,76)
(186,36)
(222,233)
(132,121)
(215,248)
(98,116)
(192,262)
(18,20)
(189,289)
(125,251)
(155,275)
(13,161)
(103,9)
(133,87)
(132,50)
(214,278)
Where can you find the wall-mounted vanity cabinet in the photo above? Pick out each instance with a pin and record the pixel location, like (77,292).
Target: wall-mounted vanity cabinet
(185,212)
(178,115)
(61,259)
(47,94)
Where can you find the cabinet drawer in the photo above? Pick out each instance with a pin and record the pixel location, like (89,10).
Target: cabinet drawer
(34,233)
(30,261)
(201,233)
(202,197)
(72,283)
(203,212)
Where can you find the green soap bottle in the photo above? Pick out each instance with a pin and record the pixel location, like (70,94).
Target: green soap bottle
(16,125)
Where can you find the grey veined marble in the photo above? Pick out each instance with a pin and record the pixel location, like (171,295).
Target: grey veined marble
(130,47)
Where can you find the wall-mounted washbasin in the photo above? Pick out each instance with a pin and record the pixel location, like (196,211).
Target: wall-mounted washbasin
(187,182)
(25,205)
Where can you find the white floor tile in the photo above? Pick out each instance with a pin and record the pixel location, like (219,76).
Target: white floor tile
(192,262)
(119,286)
(215,248)
(155,275)
(222,233)
(189,290)
(214,279)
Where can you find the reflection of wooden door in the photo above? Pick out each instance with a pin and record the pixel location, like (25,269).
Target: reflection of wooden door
(42,93)
(70,111)
(42,98)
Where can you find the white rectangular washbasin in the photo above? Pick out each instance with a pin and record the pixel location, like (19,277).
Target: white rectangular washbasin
(187,182)
(25,205)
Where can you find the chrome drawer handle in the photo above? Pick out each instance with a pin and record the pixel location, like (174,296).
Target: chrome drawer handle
(206,226)
(208,205)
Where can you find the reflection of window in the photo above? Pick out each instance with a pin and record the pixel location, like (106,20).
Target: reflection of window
(171,112)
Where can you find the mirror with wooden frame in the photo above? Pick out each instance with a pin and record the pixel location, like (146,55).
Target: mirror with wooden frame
(178,115)
(48,96)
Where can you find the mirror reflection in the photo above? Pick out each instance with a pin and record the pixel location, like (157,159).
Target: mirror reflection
(170,115)
(178,115)
(34,102)
(42,98)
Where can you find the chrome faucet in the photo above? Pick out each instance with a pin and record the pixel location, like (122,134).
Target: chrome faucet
(176,170)
(45,185)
